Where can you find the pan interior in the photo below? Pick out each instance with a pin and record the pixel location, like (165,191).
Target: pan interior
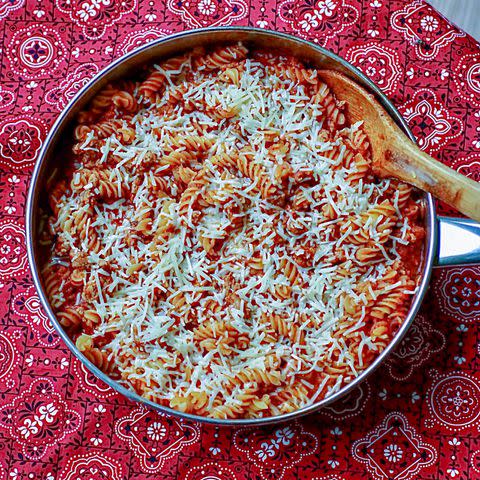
(53,156)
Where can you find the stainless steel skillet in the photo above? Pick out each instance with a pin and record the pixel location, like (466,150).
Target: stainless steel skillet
(447,242)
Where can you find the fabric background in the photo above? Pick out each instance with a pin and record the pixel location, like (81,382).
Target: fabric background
(418,417)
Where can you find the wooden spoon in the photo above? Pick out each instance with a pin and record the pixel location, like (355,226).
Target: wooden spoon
(395,155)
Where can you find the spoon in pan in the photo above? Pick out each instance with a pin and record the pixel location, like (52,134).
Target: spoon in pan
(395,155)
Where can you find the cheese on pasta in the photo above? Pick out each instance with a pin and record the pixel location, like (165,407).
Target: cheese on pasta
(220,243)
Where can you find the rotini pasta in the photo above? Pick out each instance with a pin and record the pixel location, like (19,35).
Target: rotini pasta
(220,243)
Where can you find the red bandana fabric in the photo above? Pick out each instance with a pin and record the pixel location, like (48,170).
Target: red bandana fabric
(418,417)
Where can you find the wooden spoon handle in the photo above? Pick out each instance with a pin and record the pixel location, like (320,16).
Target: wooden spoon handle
(404,160)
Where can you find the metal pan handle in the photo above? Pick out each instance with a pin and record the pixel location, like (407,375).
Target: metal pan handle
(458,242)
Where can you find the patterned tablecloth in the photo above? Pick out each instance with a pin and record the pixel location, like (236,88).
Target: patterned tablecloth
(419,417)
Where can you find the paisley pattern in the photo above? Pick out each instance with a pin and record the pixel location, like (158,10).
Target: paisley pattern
(318,21)
(138,38)
(274,451)
(7,97)
(459,290)
(208,13)
(90,383)
(95,16)
(26,305)
(13,252)
(37,51)
(430,121)
(378,62)
(60,96)
(467,78)
(421,342)
(7,6)
(351,405)
(154,438)
(416,417)
(475,461)
(454,401)
(38,419)
(210,471)
(9,357)
(468,165)
(20,141)
(394,450)
(92,466)
(427,31)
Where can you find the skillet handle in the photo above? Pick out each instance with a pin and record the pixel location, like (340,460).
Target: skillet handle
(459,242)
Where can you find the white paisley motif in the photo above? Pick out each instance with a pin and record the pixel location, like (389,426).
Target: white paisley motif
(92,466)
(394,451)
(420,343)
(27,305)
(380,63)
(467,78)
(431,123)
(9,356)
(318,21)
(468,165)
(210,471)
(454,401)
(61,95)
(20,141)
(13,253)
(140,38)
(36,51)
(349,406)
(275,451)
(7,6)
(6,97)
(152,451)
(424,28)
(458,291)
(475,461)
(91,384)
(94,16)
(208,13)
(38,418)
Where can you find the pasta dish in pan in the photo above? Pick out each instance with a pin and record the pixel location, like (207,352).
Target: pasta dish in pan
(219,242)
